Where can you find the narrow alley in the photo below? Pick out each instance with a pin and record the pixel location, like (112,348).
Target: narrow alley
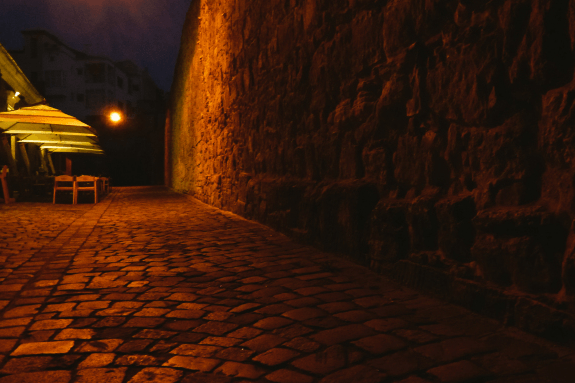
(153,286)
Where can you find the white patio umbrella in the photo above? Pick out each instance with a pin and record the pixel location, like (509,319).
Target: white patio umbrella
(50,128)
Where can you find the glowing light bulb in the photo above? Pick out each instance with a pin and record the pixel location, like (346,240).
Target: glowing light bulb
(115,117)
(16,94)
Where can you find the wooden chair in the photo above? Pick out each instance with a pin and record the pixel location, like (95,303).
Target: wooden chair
(86,183)
(66,183)
(5,190)
(106,185)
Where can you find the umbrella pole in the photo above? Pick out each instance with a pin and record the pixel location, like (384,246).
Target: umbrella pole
(8,152)
(49,156)
(13,147)
(25,158)
(43,160)
(68,166)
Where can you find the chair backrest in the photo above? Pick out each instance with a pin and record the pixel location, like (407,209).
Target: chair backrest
(64,178)
(4,171)
(85,179)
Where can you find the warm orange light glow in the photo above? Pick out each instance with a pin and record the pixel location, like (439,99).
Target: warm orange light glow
(115,117)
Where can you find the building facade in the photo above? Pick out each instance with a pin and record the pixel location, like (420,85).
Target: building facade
(90,87)
(84,85)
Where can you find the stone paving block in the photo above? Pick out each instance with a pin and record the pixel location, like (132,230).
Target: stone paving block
(216,328)
(272,323)
(380,344)
(452,349)
(274,309)
(151,312)
(329,360)
(414,379)
(416,336)
(51,324)
(302,344)
(144,322)
(221,341)
(355,374)
(155,334)
(196,350)
(240,370)
(245,307)
(201,377)
(305,313)
(75,334)
(34,348)
(59,307)
(14,322)
(98,375)
(263,342)
(336,307)
(103,345)
(275,356)
(342,334)
(385,325)
(138,360)
(237,354)
(355,316)
(11,287)
(219,316)
(401,363)
(501,364)
(22,311)
(192,363)
(156,375)
(134,345)
(458,372)
(39,377)
(26,364)
(289,376)
(97,360)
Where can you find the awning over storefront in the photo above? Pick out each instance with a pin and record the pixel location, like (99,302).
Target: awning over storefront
(14,77)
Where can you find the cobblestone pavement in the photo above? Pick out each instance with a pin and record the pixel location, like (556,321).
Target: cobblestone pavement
(153,286)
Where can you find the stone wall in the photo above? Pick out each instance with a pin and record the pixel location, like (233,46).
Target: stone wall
(433,140)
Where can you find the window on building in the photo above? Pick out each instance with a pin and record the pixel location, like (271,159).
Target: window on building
(55,78)
(34,47)
(120,82)
(80,97)
(58,101)
(95,98)
(111,74)
(95,73)
(130,109)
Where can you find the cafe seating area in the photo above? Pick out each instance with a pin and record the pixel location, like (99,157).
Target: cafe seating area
(98,186)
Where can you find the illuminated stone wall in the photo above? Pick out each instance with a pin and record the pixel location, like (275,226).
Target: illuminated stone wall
(431,140)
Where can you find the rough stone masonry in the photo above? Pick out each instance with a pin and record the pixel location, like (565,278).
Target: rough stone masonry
(433,140)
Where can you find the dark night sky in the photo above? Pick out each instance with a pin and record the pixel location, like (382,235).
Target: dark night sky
(147,32)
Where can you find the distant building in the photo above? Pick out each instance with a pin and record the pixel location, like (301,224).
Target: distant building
(89,87)
(81,84)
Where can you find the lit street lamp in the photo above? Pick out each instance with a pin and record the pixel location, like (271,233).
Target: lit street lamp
(115,117)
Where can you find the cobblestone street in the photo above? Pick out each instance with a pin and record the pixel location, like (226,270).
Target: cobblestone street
(153,286)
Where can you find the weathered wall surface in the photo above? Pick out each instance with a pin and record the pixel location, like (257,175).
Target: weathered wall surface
(433,140)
